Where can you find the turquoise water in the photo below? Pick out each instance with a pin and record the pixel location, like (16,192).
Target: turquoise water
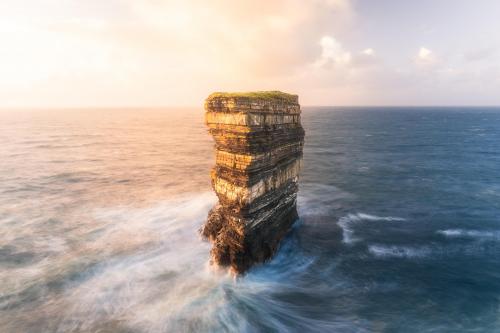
(399,227)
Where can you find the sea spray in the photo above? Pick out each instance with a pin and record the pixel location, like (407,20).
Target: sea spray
(347,224)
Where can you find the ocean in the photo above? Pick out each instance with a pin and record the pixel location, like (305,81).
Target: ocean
(399,227)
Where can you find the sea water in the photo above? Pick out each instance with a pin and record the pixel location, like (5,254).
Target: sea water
(399,227)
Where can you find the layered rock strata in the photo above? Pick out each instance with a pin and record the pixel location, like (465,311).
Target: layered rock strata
(258,140)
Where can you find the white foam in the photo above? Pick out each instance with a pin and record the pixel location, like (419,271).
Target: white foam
(157,272)
(379,218)
(320,199)
(166,286)
(382,251)
(477,234)
(346,223)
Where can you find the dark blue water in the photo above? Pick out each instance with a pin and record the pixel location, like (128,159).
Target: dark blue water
(426,258)
(399,227)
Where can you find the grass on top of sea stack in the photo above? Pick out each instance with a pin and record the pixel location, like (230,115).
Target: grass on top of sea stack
(272,95)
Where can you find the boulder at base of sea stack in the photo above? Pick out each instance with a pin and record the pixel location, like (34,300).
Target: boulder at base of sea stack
(258,152)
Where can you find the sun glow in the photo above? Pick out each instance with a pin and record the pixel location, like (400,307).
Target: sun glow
(172,52)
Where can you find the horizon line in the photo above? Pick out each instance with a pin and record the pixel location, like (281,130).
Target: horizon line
(42,108)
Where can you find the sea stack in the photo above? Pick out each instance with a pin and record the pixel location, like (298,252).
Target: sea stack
(258,151)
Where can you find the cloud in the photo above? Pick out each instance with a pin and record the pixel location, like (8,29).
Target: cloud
(179,50)
(365,58)
(424,54)
(425,57)
(368,52)
(332,53)
(175,52)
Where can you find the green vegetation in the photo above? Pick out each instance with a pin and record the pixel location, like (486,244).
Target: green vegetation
(260,95)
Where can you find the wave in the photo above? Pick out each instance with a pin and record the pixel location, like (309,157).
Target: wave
(478,249)
(153,275)
(347,222)
(134,268)
(476,234)
(321,199)
(381,251)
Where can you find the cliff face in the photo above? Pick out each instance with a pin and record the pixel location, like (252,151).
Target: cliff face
(258,140)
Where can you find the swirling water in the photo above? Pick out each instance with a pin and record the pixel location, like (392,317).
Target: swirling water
(399,226)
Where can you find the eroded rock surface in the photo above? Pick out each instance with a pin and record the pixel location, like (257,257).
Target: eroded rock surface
(258,140)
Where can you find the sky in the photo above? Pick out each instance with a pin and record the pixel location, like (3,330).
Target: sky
(74,53)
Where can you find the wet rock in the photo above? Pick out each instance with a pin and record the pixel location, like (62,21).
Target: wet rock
(258,142)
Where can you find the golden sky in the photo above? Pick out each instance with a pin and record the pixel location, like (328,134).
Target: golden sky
(63,53)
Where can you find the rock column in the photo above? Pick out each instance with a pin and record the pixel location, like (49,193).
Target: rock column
(258,141)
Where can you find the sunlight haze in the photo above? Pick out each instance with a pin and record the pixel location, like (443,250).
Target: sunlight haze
(331,52)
